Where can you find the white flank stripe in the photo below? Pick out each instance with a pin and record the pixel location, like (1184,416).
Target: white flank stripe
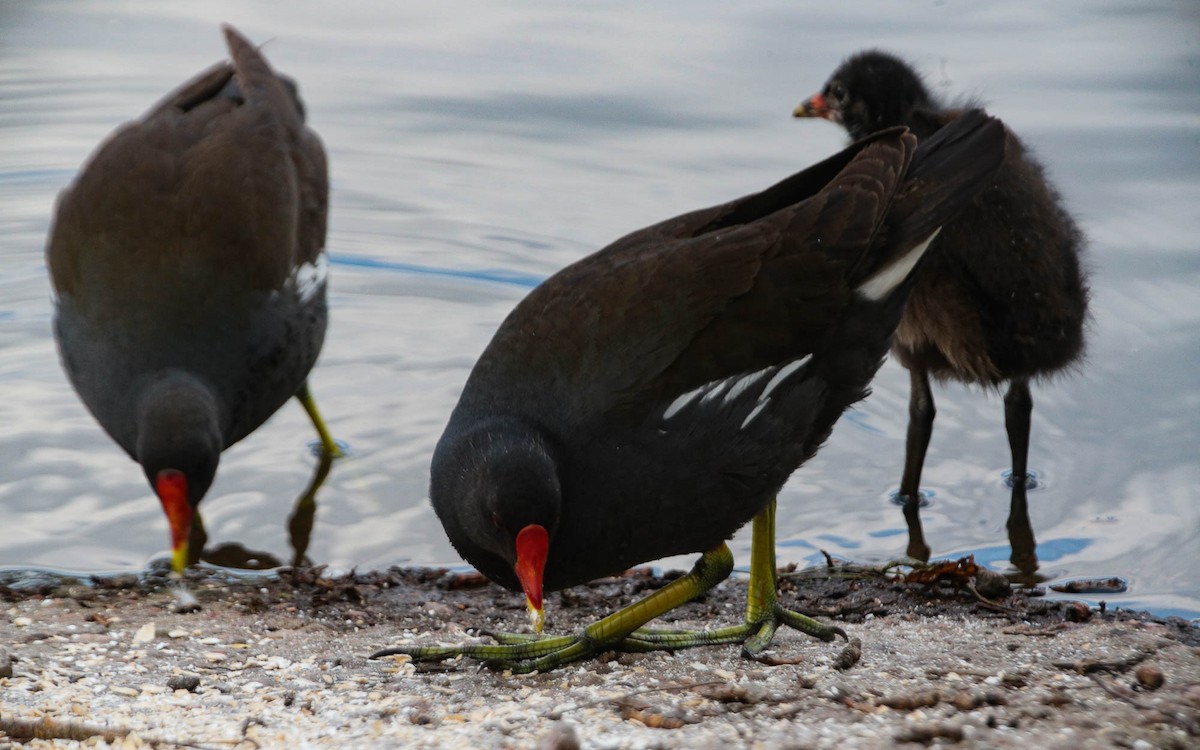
(716,388)
(782,375)
(744,382)
(878,286)
(735,387)
(757,410)
(682,401)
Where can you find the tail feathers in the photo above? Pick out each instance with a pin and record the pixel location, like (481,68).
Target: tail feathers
(948,171)
(881,283)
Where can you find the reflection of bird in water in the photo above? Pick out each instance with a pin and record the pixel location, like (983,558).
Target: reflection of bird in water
(188,261)
(652,398)
(1002,297)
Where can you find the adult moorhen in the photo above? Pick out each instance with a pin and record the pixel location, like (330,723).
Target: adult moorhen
(651,398)
(189,268)
(1002,298)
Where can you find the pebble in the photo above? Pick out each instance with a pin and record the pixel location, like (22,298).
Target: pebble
(188,682)
(144,634)
(1150,677)
(6,665)
(561,736)
(128,692)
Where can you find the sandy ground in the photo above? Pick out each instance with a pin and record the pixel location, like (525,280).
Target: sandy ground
(281,662)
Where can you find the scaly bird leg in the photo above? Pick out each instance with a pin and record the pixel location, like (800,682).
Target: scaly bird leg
(764,614)
(300,522)
(623,631)
(328,444)
(529,654)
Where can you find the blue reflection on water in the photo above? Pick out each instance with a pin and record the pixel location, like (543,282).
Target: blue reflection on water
(494,275)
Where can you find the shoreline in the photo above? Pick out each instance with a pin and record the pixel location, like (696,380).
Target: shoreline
(281,662)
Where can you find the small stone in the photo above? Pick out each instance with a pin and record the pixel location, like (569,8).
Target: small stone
(560,737)
(1150,677)
(22,622)
(144,634)
(6,665)
(991,584)
(1076,611)
(849,655)
(128,692)
(215,656)
(188,682)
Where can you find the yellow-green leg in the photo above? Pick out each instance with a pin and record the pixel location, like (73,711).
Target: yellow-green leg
(328,445)
(622,631)
(300,522)
(534,653)
(764,614)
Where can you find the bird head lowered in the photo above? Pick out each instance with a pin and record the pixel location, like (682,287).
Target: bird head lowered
(178,446)
(506,505)
(187,258)
(868,92)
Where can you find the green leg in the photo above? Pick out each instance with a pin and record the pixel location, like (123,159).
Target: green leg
(521,654)
(764,614)
(304,512)
(622,631)
(327,442)
(763,610)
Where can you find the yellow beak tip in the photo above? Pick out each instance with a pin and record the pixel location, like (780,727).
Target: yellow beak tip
(537,619)
(179,558)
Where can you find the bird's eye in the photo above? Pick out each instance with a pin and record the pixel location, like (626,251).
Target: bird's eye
(837,91)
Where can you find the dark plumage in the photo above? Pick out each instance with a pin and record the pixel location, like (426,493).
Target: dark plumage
(1002,297)
(652,398)
(187,258)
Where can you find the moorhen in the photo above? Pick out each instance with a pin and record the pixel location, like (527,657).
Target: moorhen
(653,397)
(1002,297)
(188,264)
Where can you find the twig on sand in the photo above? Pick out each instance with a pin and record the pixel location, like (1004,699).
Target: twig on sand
(50,728)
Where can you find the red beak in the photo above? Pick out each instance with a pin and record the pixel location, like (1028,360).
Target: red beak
(533,544)
(171,486)
(813,106)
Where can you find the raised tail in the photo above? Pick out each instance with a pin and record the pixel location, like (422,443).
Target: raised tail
(948,170)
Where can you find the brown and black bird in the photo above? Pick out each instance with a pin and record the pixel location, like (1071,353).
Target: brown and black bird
(652,398)
(188,264)
(1002,298)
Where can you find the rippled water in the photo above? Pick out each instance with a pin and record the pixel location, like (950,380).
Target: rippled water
(477,147)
